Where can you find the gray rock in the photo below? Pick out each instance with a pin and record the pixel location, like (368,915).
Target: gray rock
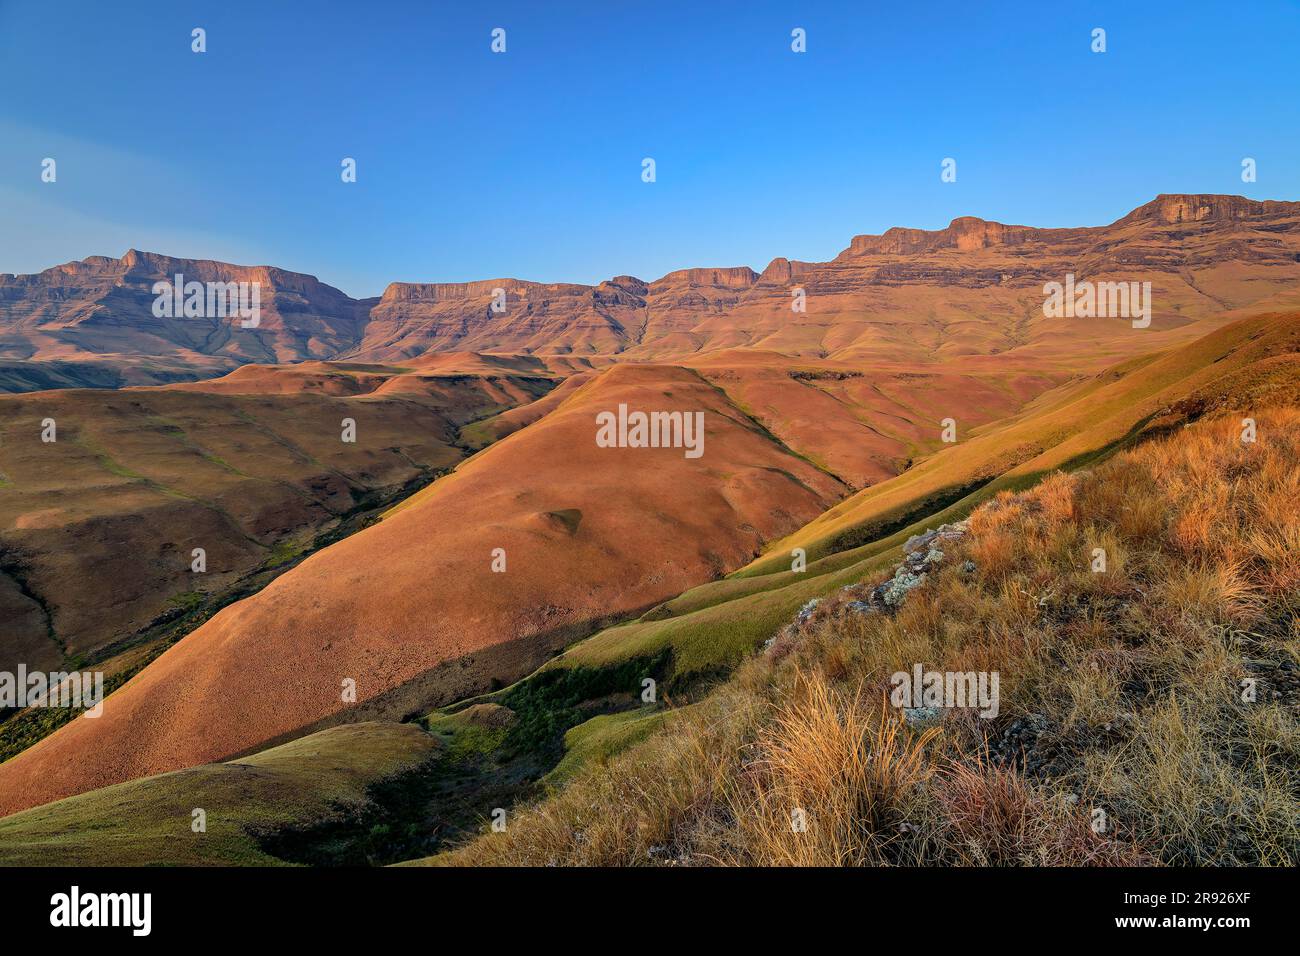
(918,541)
(922,716)
(806,611)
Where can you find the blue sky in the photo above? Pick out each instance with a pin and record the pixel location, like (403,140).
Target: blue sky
(528,164)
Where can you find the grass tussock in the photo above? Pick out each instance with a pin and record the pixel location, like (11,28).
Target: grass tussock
(1142,618)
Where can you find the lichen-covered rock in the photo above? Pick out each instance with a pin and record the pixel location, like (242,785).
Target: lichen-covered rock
(894,590)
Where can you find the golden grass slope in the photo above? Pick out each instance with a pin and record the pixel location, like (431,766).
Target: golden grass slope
(1061,426)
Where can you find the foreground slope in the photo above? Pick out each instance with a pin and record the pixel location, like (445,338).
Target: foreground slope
(1148,711)
(411,610)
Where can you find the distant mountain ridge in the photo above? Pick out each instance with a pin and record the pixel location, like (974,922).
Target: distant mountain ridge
(90,322)
(98,313)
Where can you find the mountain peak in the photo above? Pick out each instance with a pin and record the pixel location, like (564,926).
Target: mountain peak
(1203,207)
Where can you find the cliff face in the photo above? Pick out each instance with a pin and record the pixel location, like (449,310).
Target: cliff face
(969,233)
(973,287)
(966,234)
(500,315)
(1202,207)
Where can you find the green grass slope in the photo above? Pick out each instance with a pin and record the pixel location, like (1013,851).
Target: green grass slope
(149,822)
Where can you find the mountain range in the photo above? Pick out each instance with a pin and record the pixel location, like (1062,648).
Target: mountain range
(91,322)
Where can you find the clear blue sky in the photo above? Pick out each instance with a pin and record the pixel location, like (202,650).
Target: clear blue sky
(528,164)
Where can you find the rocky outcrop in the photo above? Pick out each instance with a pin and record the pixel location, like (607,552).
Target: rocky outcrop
(922,555)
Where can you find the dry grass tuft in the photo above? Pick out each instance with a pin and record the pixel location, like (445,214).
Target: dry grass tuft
(833,783)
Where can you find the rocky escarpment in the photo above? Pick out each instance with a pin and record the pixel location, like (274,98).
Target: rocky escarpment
(977,282)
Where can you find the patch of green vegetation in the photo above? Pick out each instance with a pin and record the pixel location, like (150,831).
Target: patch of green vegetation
(463,738)
(477,435)
(603,737)
(221,462)
(284,551)
(554,699)
(117,468)
(186,601)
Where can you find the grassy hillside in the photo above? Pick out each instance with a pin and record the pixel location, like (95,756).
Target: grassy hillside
(98,526)
(1064,428)
(1125,733)
(710,628)
(1102,674)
